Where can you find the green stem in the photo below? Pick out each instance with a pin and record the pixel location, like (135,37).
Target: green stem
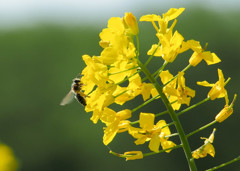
(193,106)
(146,154)
(224,164)
(120,94)
(160,69)
(127,78)
(202,128)
(172,135)
(123,71)
(161,151)
(185,69)
(150,58)
(144,104)
(174,117)
(162,113)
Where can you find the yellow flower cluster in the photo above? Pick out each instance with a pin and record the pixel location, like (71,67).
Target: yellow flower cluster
(113,77)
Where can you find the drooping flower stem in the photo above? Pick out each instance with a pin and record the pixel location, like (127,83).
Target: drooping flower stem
(224,164)
(161,151)
(202,128)
(173,115)
(193,106)
(144,104)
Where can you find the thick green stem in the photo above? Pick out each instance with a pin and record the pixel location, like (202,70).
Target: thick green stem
(174,117)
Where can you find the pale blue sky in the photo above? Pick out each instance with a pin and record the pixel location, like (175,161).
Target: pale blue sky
(27,12)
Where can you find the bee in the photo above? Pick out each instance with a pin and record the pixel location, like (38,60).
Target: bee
(76,91)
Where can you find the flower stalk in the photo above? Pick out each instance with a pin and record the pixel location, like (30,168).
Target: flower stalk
(174,117)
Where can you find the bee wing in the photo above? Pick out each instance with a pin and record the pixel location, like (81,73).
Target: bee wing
(68,98)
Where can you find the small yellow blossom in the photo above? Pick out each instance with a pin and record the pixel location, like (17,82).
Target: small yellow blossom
(200,54)
(95,73)
(133,155)
(99,99)
(7,159)
(182,93)
(163,21)
(218,90)
(151,132)
(205,149)
(115,122)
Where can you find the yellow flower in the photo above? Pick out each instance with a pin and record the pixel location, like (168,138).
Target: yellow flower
(205,149)
(166,76)
(135,88)
(95,73)
(116,43)
(218,90)
(99,99)
(150,132)
(7,159)
(182,93)
(133,155)
(131,23)
(115,122)
(200,54)
(163,21)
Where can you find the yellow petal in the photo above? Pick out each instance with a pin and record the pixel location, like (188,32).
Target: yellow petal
(195,59)
(210,149)
(146,120)
(210,58)
(205,84)
(173,13)
(133,155)
(110,132)
(150,17)
(154,143)
(155,48)
(124,114)
(146,90)
(166,76)
(167,144)
(195,45)
(224,114)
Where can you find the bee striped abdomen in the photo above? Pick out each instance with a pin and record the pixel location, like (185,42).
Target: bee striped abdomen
(81,99)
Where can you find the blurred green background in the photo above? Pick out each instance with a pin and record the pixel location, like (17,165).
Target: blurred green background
(39,62)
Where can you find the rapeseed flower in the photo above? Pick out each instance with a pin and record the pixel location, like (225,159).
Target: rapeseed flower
(218,90)
(150,132)
(205,149)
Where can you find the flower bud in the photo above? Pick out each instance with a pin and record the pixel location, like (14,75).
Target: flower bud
(130,23)
(224,114)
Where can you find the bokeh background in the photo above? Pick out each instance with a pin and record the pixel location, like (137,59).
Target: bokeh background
(41,44)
